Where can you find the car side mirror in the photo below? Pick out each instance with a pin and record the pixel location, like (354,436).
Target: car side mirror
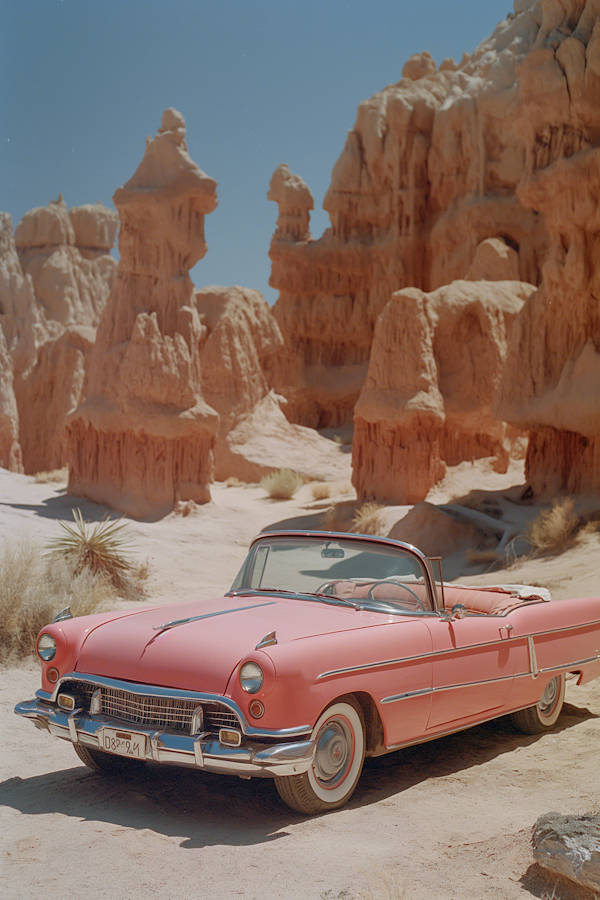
(458,611)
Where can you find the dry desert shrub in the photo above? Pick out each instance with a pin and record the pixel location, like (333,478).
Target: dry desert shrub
(56,476)
(368,519)
(100,550)
(33,589)
(232,481)
(281,485)
(321,490)
(554,529)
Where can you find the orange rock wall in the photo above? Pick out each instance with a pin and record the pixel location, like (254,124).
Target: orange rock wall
(436,362)
(10,450)
(428,173)
(55,275)
(552,377)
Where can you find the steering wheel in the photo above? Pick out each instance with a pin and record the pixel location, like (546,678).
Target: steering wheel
(397,584)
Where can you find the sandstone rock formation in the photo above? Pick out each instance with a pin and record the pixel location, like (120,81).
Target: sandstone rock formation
(494,260)
(241,348)
(436,362)
(429,172)
(143,438)
(10,450)
(47,392)
(16,290)
(66,253)
(552,380)
(54,272)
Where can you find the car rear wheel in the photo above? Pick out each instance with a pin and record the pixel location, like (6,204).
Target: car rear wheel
(340,751)
(107,763)
(542,716)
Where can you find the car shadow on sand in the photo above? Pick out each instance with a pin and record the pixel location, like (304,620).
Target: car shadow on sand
(452,754)
(201,809)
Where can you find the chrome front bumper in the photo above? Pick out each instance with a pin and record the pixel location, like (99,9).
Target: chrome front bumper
(204,751)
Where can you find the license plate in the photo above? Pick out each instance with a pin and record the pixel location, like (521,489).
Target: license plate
(123,743)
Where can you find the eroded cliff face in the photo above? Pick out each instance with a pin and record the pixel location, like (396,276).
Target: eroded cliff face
(551,384)
(428,173)
(66,254)
(10,449)
(55,275)
(143,438)
(435,367)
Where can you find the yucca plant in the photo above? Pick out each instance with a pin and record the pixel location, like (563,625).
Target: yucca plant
(34,589)
(98,550)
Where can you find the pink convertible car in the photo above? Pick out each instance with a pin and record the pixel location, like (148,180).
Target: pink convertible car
(328,648)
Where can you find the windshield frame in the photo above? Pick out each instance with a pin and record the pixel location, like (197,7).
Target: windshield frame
(332,536)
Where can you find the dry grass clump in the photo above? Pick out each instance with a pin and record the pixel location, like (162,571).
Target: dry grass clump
(98,550)
(33,589)
(554,529)
(368,519)
(232,481)
(56,476)
(281,485)
(321,490)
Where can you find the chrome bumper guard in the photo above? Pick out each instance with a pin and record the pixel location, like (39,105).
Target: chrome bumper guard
(201,751)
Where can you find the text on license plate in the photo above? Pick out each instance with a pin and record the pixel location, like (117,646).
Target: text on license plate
(124,743)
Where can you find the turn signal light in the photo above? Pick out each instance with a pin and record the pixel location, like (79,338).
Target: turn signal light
(229,737)
(256,709)
(52,675)
(66,701)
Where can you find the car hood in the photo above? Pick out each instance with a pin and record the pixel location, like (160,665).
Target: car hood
(201,654)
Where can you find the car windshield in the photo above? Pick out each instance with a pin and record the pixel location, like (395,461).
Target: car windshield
(362,572)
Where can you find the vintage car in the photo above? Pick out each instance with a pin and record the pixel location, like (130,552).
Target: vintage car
(328,648)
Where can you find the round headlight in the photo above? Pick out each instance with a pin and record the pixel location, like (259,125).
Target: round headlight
(46,647)
(251,677)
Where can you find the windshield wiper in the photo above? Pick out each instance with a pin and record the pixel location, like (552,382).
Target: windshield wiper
(300,595)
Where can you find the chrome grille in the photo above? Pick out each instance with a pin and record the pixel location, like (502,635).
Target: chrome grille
(158,712)
(165,713)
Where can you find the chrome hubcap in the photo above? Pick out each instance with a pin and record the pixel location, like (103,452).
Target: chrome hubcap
(334,752)
(548,698)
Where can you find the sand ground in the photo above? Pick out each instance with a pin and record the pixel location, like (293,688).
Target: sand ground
(447,820)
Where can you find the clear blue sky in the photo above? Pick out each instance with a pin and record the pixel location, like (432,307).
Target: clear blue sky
(259,82)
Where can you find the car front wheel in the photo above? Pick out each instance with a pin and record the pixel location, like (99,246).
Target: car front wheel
(542,716)
(339,736)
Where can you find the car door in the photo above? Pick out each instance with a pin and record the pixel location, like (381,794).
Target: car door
(473,669)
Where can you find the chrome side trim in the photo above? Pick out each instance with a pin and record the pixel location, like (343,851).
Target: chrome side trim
(408,695)
(434,654)
(565,667)
(376,665)
(533,666)
(446,687)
